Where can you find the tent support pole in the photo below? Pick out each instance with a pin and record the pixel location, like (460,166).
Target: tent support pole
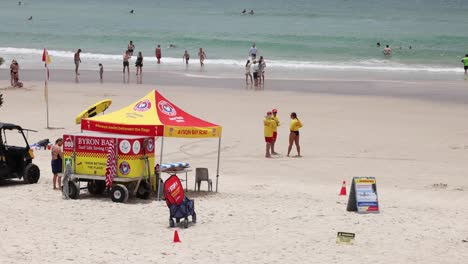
(158,179)
(217,167)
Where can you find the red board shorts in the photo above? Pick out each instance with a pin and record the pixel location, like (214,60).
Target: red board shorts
(268,139)
(275,134)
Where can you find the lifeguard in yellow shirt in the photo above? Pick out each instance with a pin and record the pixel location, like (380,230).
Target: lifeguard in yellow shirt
(275,131)
(294,134)
(268,127)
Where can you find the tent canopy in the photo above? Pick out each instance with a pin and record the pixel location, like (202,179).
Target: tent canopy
(152,115)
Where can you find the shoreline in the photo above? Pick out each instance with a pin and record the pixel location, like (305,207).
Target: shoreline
(430,90)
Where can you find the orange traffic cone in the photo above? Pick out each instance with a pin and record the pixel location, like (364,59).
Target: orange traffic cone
(343,189)
(176,237)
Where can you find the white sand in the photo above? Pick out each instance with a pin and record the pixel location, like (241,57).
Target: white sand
(282,210)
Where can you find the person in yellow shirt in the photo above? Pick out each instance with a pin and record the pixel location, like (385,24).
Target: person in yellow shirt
(268,127)
(294,134)
(275,131)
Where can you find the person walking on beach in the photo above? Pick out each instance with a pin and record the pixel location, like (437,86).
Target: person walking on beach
(186,57)
(253,52)
(465,63)
(294,134)
(275,130)
(57,157)
(130,48)
(77,61)
(158,53)
(202,56)
(387,50)
(268,127)
(139,63)
(101,71)
(248,73)
(13,72)
(126,64)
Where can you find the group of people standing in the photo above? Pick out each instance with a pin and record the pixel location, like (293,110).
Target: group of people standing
(139,61)
(270,129)
(258,67)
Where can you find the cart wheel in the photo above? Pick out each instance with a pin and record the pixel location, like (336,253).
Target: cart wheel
(143,190)
(185,222)
(73,190)
(194,217)
(171,222)
(119,193)
(96,187)
(31,173)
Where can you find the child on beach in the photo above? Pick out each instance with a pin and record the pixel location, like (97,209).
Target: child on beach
(260,70)
(294,134)
(101,71)
(56,163)
(158,53)
(255,72)
(247,72)
(202,56)
(139,63)
(186,57)
(126,57)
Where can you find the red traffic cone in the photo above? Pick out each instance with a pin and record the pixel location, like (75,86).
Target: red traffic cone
(343,189)
(176,237)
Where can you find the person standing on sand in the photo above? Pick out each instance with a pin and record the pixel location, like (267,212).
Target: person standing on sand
(263,69)
(248,73)
(253,52)
(77,61)
(56,163)
(275,130)
(255,72)
(101,71)
(139,63)
(130,48)
(465,63)
(13,70)
(126,64)
(260,70)
(268,127)
(387,50)
(202,56)
(158,53)
(294,134)
(186,57)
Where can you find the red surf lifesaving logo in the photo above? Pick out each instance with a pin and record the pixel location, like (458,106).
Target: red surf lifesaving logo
(142,106)
(167,108)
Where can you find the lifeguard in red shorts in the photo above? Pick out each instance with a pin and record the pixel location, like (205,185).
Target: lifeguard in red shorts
(268,127)
(275,130)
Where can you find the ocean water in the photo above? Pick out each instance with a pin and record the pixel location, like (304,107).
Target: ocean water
(292,35)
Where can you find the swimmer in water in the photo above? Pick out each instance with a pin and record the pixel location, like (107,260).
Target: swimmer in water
(251,12)
(172,46)
(387,50)
(244,11)
(30,18)
(132,11)
(378,44)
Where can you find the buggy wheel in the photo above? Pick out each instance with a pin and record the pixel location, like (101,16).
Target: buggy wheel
(73,190)
(194,217)
(171,222)
(31,173)
(96,187)
(119,193)
(143,191)
(185,222)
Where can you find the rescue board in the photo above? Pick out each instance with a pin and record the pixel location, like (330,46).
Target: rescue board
(93,110)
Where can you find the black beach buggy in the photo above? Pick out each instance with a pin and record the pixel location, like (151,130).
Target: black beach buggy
(16,155)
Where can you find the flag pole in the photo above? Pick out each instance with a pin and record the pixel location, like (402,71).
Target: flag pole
(46,60)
